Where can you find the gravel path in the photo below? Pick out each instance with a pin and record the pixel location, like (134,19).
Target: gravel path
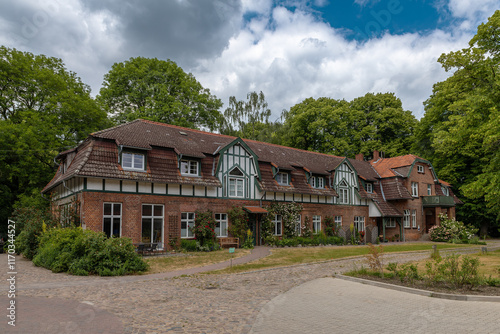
(226,303)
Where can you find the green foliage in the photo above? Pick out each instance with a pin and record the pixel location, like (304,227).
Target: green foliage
(239,222)
(189,245)
(160,91)
(84,252)
(374,258)
(204,227)
(338,127)
(44,109)
(30,222)
(330,228)
(451,230)
(460,132)
(248,244)
(459,274)
(290,213)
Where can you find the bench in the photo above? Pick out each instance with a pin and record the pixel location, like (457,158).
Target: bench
(229,242)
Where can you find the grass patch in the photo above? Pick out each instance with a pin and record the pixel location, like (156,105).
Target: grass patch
(292,256)
(190,260)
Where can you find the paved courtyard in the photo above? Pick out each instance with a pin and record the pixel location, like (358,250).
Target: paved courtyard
(301,299)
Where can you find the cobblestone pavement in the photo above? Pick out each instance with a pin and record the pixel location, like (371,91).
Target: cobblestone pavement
(329,305)
(198,303)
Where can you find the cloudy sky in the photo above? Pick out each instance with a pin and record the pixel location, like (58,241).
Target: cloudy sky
(290,50)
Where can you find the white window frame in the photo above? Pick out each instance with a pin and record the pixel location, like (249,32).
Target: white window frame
(320,182)
(359,223)
(298,225)
(406,218)
(414,218)
(278,225)
(313,181)
(189,168)
(369,188)
(221,224)
(338,222)
(188,219)
(429,189)
(445,191)
(112,216)
(391,222)
(343,195)
(316,223)
(239,184)
(414,189)
(282,178)
(420,169)
(153,217)
(134,164)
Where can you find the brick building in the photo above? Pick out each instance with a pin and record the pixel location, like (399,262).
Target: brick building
(145,180)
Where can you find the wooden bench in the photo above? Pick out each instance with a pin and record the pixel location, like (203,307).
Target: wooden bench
(229,242)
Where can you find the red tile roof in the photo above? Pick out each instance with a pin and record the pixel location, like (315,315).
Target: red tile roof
(384,166)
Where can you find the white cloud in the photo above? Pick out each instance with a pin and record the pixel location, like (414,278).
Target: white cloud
(302,57)
(473,10)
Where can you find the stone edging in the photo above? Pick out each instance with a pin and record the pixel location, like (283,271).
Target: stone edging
(469,298)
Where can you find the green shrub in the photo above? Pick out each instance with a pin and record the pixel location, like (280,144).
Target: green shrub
(189,245)
(451,230)
(84,252)
(457,273)
(204,227)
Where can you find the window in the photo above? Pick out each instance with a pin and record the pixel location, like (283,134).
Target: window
(277,224)
(320,183)
(68,215)
(112,219)
(445,191)
(414,189)
(133,161)
(316,224)
(313,181)
(369,188)
(189,168)
(298,225)
(420,168)
(282,178)
(236,187)
(359,223)
(338,222)
(391,222)
(152,223)
(406,218)
(343,196)
(429,189)
(221,224)
(187,223)
(414,218)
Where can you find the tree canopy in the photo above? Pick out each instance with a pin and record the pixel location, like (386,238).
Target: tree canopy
(44,109)
(460,131)
(158,90)
(371,122)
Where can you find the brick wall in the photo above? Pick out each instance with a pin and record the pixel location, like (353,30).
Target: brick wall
(93,205)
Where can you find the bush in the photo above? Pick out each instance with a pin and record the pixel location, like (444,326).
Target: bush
(204,227)
(84,252)
(30,222)
(451,230)
(451,270)
(189,245)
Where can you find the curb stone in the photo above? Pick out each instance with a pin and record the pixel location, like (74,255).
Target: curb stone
(469,298)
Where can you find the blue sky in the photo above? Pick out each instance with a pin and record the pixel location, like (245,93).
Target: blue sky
(289,49)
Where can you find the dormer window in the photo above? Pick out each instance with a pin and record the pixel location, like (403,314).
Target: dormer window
(236,183)
(189,168)
(369,188)
(445,191)
(133,161)
(343,193)
(317,182)
(420,168)
(282,178)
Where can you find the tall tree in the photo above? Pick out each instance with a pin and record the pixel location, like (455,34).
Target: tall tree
(44,109)
(371,122)
(460,131)
(160,91)
(248,119)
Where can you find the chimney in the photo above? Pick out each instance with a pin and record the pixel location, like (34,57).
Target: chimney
(360,157)
(376,155)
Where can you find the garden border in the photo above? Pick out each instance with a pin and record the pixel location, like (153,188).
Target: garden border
(427,293)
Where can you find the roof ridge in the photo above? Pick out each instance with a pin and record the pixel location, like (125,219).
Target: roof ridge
(187,129)
(294,148)
(114,127)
